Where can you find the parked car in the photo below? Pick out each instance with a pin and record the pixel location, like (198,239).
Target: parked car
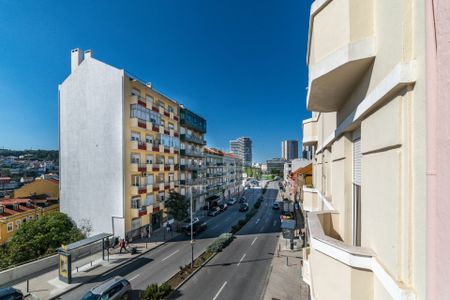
(187,222)
(276,205)
(223,207)
(232,201)
(244,207)
(214,211)
(10,293)
(196,229)
(116,288)
(242,200)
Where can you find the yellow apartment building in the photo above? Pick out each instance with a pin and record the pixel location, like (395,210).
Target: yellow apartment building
(15,212)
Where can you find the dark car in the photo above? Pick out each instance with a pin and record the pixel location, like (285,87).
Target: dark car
(196,229)
(214,211)
(116,288)
(10,293)
(244,207)
(276,205)
(223,207)
(242,200)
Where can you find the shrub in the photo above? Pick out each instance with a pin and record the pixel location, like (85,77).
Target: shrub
(221,242)
(155,292)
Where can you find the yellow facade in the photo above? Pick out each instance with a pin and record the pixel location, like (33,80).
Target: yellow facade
(10,224)
(38,187)
(152,166)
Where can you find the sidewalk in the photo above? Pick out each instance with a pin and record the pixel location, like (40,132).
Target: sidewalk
(285,279)
(48,285)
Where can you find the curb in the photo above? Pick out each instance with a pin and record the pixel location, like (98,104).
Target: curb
(101,274)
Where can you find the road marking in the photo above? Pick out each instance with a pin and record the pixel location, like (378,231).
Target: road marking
(134,277)
(254,241)
(241,259)
(217,295)
(170,255)
(257,221)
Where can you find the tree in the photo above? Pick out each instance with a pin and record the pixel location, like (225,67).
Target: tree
(155,292)
(40,237)
(177,206)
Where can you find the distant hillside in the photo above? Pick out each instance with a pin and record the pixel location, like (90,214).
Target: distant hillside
(32,154)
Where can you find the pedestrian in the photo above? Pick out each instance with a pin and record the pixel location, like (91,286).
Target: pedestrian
(122,246)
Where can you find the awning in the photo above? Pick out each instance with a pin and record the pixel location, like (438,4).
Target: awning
(288,224)
(84,242)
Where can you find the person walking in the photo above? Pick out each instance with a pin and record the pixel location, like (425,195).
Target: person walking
(122,246)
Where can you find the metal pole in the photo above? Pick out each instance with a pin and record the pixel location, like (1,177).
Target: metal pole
(192,234)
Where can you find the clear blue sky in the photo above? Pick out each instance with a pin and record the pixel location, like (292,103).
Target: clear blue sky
(240,64)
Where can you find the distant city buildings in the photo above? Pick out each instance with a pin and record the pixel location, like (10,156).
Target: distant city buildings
(275,166)
(242,148)
(289,149)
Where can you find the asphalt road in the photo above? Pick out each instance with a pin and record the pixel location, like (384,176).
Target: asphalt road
(160,264)
(241,270)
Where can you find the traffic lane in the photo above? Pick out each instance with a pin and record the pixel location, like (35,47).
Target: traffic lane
(249,275)
(205,283)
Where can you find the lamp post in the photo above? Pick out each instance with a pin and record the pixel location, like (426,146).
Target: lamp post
(192,232)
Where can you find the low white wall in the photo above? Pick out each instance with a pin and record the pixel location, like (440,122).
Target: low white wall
(20,273)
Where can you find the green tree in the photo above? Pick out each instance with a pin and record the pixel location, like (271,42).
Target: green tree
(40,237)
(177,206)
(155,292)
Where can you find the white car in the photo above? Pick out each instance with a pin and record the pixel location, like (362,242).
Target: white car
(232,201)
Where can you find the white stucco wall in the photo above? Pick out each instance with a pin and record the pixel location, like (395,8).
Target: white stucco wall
(91,146)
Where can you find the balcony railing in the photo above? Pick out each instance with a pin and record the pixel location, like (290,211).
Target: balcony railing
(192,139)
(188,152)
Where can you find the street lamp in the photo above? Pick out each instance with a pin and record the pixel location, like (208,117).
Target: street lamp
(192,232)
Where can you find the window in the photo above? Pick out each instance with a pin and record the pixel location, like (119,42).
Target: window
(160,104)
(135,180)
(135,202)
(135,158)
(161,196)
(170,108)
(171,126)
(149,139)
(171,161)
(356,209)
(30,218)
(149,99)
(18,222)
(171,177)
(149,179)
(144,114)
(149,159)
(135,136)
(135,92)
(148,200)
(10,226)
(136,223)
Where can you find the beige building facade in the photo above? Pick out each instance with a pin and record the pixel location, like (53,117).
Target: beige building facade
(366,211)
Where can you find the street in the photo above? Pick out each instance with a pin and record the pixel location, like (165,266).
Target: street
(160,264)
(241,270)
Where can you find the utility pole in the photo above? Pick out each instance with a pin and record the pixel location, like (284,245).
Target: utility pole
(192,233)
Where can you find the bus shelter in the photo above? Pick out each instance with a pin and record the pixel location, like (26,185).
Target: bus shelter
(80,250)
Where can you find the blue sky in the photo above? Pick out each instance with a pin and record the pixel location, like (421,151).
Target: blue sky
(240,64)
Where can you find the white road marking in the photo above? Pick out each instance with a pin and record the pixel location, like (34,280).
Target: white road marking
(134,277)
(257,221)
(254,240)
(217,295)
(170,255)
(241,259)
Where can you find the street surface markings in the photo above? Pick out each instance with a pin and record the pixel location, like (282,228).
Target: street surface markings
(254,240)
(217,295)
(257,221)
(170,255)
(134,277)
(241,259)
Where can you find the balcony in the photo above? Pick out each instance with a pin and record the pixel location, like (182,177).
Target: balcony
(138,189)
(313,200)
(193,153)
(336,64)
(310,136)
(192,139)
(137,123)
(138,212)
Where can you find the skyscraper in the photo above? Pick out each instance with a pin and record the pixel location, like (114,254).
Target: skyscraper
(289,149)
(242,147)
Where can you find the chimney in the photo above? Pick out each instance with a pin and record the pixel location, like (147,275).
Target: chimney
(88,54)
(77,57)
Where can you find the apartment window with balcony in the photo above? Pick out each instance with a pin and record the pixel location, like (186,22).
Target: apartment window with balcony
(160,177)
(135,202)
(148,200)
(135,136)
(171,160)
(135,158)
(161,196)
(149,159)
(356,207)
(149,179)
(160,104)
(171,177)
(170,109)
(144,114)
(171,126)
(10,226)
(182,130)
(149,139)
(149,99)
(160,159)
